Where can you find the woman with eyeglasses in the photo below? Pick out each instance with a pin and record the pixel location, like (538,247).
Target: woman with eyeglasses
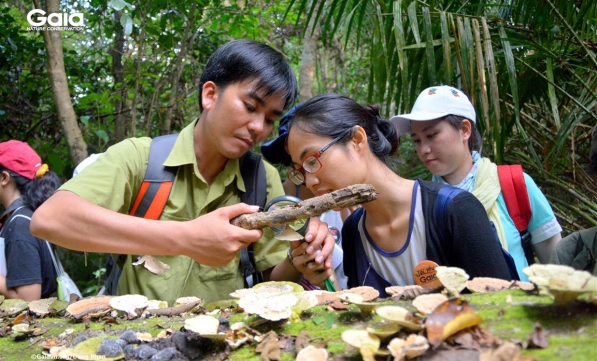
(334,142)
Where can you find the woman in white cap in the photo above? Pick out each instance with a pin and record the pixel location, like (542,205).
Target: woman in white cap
(26,268)
(442,126)
(397,239)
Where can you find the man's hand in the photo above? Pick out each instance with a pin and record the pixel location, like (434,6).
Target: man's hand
(224,239)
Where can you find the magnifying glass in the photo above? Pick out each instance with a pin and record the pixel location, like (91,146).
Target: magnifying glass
(292,231)
(288,231)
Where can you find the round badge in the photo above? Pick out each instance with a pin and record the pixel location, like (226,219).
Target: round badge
(424,274)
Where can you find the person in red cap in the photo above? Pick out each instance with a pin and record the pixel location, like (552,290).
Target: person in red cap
(26,268)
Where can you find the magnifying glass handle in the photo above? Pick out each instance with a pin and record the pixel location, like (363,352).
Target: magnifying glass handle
(329,284)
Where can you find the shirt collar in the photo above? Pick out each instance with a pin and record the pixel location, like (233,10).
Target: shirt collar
(183,153)
(18,203)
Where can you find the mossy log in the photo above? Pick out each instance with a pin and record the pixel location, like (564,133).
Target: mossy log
(508,315)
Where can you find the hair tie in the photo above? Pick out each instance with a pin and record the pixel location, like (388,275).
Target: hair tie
(42,170)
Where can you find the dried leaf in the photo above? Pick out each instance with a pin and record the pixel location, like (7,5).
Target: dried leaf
(506,352)
(538,338)
(449,318)
(268,347)
(22,317)
(152,264)
(302,340)
(49,343)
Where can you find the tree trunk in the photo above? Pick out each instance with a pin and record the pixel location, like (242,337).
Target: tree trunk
(117,72)
(60,93)
(307,66)
(185,42)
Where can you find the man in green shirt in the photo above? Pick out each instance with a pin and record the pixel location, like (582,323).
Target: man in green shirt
(244,88)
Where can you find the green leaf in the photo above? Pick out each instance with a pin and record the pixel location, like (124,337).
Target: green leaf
(84,119)
(127,23)
(101,134)
(119,4)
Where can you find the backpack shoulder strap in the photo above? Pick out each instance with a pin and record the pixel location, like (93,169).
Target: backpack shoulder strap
(150,201)
(515,194)
(156,186)
(252,170)
(444,197)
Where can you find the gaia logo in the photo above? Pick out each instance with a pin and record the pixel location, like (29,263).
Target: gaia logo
(55,21)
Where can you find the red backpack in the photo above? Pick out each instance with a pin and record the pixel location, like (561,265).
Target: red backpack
(516,196)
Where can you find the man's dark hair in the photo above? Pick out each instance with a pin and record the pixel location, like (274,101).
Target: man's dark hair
(246,60)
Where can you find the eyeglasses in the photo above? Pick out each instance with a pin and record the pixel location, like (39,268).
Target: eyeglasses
(312,164)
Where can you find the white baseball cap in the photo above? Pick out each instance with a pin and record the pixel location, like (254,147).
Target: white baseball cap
(433,103)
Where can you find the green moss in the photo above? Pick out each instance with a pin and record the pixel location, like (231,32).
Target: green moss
(511,316)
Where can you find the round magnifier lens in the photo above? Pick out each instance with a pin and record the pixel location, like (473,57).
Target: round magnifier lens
(300,225)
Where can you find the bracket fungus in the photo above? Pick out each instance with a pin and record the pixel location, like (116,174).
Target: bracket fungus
(427,303)
(43,306)
(383,330)
(453,278)
(205,326)
(130,304)
(367,343)
(272,287)
(564,283)
(413,346)
(489,284)
(400,316)
(93,306)
(275,300)
(356,299)
(312,353)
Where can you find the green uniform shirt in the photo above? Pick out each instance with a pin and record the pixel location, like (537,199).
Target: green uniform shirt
(112,182)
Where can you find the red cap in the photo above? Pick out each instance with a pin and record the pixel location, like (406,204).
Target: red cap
(20,158)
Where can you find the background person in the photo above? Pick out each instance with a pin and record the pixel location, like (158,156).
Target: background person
(275,153)
(244,88)
(579,249)
(442,126)
(25,183)
(334,142)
